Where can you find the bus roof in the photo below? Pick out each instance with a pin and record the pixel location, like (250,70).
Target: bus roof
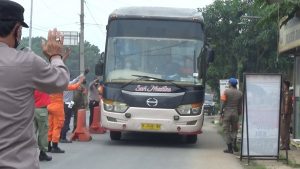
(184,14)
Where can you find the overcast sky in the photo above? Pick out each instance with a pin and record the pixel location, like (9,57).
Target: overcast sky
(64,15)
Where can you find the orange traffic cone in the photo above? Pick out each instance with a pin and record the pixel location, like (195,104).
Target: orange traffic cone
(96,125)
(81,133)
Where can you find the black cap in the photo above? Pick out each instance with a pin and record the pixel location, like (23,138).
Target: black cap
(12,11)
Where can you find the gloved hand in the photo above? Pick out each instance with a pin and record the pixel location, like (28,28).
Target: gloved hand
(70,105)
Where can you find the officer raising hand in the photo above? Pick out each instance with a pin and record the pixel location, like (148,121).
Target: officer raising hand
(22,72)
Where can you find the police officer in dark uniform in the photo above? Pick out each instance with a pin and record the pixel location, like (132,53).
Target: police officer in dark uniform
(286,113)
(231,109)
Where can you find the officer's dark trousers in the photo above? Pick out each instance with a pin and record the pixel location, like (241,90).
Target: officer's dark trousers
(230,125)
(66,127)
(92,104)
(285,130)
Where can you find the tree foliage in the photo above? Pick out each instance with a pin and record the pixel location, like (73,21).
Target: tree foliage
(243,40)
(91,54)
(286,8)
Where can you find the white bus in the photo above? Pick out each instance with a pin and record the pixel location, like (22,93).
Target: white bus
(154,71)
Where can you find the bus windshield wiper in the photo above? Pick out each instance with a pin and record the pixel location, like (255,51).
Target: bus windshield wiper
(149,78)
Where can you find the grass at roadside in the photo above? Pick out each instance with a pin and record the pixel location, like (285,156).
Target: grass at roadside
(292,163)
(254,165)
(258,165)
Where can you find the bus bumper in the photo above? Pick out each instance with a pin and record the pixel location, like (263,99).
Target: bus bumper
(152,120)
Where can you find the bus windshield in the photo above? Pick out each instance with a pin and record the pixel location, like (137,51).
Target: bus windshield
(149,53)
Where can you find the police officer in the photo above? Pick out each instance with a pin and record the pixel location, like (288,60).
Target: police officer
(93,97)
(286,112)
(80,101)
(231,109)
(21,73)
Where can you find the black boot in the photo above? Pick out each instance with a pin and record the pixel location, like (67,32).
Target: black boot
(235,148)
(44,157)
(49,146)
(229,149)
(56,149)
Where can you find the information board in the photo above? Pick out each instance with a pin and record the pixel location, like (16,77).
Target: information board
(261,115)
(224,84)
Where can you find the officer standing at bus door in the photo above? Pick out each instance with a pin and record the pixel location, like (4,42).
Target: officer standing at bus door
(231,109)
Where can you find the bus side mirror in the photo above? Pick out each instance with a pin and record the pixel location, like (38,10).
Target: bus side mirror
(99,69)
(100,65)
(201,66)
(203,61)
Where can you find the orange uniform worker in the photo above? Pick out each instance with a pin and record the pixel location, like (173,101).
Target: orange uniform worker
(56,117)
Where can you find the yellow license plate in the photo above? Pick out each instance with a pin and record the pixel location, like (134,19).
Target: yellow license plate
(150,126)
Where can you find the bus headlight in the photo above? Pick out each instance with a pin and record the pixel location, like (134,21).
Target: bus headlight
(189,109)
(114,106)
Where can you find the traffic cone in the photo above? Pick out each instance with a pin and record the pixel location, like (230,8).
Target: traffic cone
(81,133)
(96,125)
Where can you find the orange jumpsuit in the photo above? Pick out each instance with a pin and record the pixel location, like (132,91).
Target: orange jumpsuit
(56,115)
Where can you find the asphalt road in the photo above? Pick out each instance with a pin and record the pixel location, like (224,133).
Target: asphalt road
(146,151)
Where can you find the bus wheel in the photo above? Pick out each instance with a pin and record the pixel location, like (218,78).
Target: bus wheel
(191,139)
(115,135)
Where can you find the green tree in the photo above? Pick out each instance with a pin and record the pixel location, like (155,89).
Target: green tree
(275,11)
(222,20)
(242,44)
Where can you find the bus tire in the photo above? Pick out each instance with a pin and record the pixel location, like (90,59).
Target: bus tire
(115,135)
(191,139)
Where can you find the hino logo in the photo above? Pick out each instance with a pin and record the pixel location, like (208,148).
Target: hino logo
(152,102)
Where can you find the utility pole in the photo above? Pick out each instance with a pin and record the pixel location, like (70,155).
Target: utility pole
(30,26)
(81,39)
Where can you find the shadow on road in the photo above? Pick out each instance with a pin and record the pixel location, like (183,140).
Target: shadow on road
(152,139)
(209,139)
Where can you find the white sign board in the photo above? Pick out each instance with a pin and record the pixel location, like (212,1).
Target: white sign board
(71,38)
(262,108)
